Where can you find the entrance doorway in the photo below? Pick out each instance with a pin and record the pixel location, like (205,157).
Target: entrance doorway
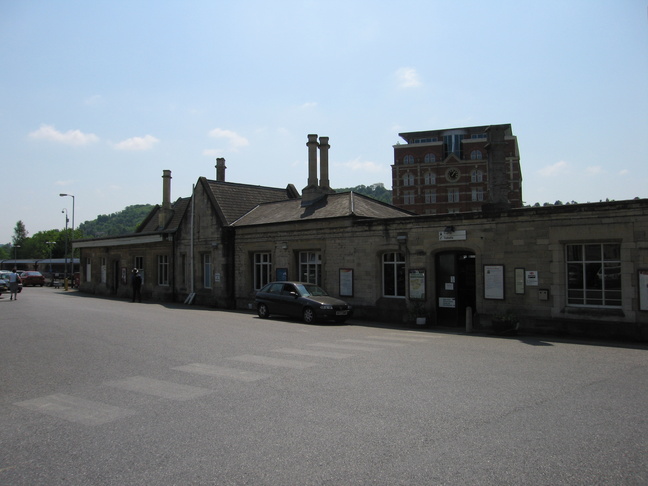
(455,287)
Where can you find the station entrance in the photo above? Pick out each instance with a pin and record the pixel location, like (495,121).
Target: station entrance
(455,287)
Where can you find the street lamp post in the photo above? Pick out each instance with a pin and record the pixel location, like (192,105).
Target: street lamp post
(50,243)
(16,255)
(72,196)
(64,210)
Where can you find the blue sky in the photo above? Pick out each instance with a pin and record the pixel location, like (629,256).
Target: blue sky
(98,98)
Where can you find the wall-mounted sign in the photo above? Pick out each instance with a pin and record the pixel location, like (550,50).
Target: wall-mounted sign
(447,302)
(452,235)
(532,278)
(417,284)
(519,280)
(494,282)
(346,282)
(643,290)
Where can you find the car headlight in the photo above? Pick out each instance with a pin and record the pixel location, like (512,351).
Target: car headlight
(327,307)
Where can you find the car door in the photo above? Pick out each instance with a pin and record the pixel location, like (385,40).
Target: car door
(291,306)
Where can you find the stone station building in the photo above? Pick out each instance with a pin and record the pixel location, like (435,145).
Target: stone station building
(579,269)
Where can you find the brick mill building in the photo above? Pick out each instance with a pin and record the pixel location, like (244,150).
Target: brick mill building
(457,170)
(579,268)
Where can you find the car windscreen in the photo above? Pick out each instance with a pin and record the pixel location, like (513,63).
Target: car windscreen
(309,289)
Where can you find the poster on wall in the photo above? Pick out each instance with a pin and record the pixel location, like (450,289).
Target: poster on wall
(494,282)
(643,290)
(519,280)
(346,282)
(282,274)
(417,284)
(532,278)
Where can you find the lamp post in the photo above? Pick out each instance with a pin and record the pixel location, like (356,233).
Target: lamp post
(50,243)
(16,255)
(64,210)
(72,196)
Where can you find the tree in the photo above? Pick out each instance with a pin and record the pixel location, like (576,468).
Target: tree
(20,234)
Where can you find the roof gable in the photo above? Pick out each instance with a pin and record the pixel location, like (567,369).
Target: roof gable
(233,200)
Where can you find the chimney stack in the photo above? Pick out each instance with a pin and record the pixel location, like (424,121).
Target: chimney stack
(165,211)
(220,169)
(324,163)
(312,160)
(316,190)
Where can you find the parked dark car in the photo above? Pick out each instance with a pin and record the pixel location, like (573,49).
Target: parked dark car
(302,300)
(4,282)
(32,278)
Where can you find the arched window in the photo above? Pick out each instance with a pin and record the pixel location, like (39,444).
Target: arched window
(430,178)
(476,155)
(408,179)
(429,158)
(408,159)
(476,176)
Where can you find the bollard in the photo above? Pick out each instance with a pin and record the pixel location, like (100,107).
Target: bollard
(469,319)
(66,284)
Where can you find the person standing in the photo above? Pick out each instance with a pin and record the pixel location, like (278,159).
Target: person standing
(137,285)
(14,280)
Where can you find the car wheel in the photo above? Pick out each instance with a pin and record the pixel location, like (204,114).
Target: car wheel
(309,315)
(263,312)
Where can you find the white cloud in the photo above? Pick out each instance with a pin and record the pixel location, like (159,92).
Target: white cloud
(362,165)
(95,100)
(236,141)
(594,170)
(137,143)
(309,104)
(63,183)
(71,137)
(212,152)
(554,170)
(624,172)
(408,78)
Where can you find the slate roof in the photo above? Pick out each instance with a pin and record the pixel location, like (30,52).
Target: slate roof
(337,205)
(150,224)
(234,200)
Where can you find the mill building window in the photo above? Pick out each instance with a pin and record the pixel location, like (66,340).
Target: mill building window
(452,145)
(429,158)
(477,194)
(393,274)
(476,176)
(408,197)
(408,179)
(408,159)
(430,178)
(430,196)
(476,155)
(453,195)
(594,274)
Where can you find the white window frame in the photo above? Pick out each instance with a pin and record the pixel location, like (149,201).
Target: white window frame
(453,194)
(393,275)
(163,270)
(430,178)
(262,262)
(310,267)
(609,295)
(207,270)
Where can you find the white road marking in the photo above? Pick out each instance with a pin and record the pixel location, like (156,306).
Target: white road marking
(75,409)
(313,352)
(349,347)
(375,343)
(159,388)
(221,371)
(282,363)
